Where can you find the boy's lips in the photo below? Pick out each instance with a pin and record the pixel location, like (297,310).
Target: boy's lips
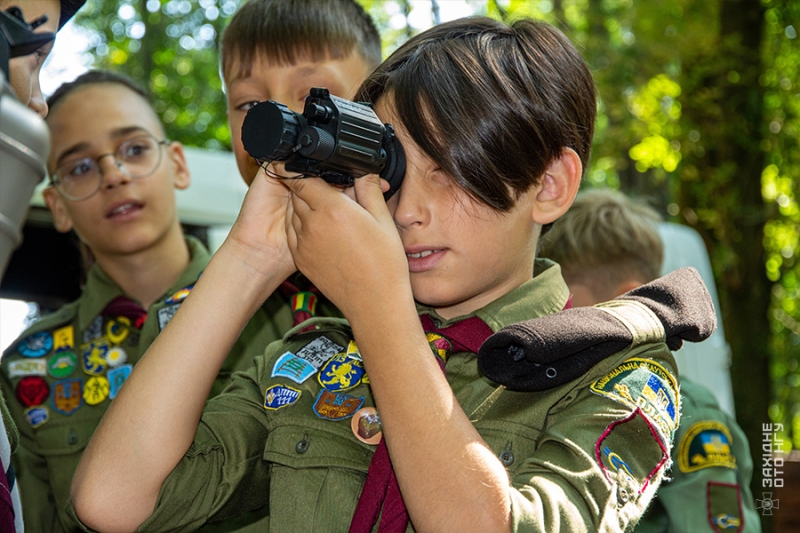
(422,258)
(124,209)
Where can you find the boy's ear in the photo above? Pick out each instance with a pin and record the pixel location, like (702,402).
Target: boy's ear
(559,186)
(180,168)
(61,218)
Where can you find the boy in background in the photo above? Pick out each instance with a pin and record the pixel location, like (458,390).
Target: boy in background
(113,181)
(607,245)
(277,50)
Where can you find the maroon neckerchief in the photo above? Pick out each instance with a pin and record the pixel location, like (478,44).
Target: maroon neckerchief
(381,488)
(294,293)
(6,504)
(124,306)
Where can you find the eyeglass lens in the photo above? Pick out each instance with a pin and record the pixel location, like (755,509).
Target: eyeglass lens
(136,158)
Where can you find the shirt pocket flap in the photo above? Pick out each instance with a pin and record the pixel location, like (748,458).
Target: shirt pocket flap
(64,438)
(311,446)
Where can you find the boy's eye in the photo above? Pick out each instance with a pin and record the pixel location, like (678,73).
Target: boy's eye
(134,150)
(80,168)
(247,106)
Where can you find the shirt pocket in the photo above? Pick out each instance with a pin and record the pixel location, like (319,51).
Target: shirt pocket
(61,445)
(317,471)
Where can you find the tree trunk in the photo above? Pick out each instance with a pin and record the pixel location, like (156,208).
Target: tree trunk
(721,197)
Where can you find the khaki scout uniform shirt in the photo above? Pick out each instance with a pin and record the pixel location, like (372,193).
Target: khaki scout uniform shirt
(710,486)
(578,460)
(52,441)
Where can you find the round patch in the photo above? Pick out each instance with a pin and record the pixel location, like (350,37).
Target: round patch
(117,329)
(366,426)
(62,364)
(96,390)
(36,344)
(37,415)
(116,357)
(32,390)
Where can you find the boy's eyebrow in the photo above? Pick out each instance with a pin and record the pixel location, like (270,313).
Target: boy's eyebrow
(115,134)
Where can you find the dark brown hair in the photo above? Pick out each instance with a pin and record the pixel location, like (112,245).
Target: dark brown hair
(492,104)
(283,30)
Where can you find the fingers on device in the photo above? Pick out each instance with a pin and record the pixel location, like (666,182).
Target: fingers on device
(335,139)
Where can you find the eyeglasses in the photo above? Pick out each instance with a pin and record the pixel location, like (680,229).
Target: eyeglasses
(80,179)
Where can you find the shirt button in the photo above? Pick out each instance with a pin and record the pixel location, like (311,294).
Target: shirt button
(506,457)
(302,446)
(72,438)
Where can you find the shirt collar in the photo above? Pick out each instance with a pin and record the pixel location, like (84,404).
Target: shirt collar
(100,289)
(546,293)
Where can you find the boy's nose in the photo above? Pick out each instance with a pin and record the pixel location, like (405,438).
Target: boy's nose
(112,171)
(411,203)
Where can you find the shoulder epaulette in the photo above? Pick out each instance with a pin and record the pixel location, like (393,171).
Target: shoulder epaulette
(546,352)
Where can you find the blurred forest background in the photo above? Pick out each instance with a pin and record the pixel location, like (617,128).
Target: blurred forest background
(699,111)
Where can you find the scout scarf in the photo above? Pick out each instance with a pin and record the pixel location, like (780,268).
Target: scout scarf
(381,488)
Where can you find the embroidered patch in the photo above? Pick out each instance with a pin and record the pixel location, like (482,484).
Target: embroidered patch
(335,405)
(96,390)
(36,344)
(341,373)
(93,330)
(352,351)
(117,329)
(62,364)
(706,444)
(32,390)
(27,367)
(278,396)
(37,415)
(165,314)
(116,378)
(631,448)
(440,346)
(180,295)
(290,366)
(318,351)
(724,505)
(64,339)
(93,357)
(67,397)
(647,385)
(116,357)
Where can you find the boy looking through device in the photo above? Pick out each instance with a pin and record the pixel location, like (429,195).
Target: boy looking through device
(442,265)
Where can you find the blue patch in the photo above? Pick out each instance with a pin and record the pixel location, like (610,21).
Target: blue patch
(36,344)
(278,396)
(37,415)
(93,356)
(116,378)
(290,366)
(341,373)
(657,390)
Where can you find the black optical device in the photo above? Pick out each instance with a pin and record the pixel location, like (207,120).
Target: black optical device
(335,139)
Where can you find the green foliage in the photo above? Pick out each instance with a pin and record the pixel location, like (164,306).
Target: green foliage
(170,46)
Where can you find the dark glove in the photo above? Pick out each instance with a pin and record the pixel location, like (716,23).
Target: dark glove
(546,352)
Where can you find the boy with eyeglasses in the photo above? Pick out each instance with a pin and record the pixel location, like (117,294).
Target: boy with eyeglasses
(113,179)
